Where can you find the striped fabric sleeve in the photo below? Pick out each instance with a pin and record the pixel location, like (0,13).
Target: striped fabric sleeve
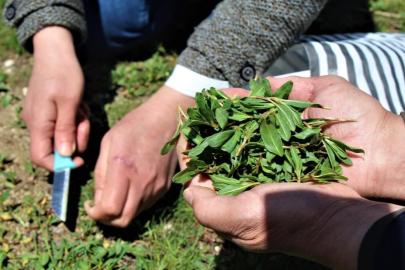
(374,62)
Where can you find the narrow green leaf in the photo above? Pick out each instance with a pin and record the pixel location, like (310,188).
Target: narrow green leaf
(222,117)
(220,178)
(238,116)
(218,93)
(202,106)
(287,116)
(167,147)
(283,129)
(231,143)
(218,139)
(340,153)
(260,88)
(297,162)
(233,190)
(194,114)
(331,154)
(192,136)
(307,132)
(196,151)
(284,90)
(251,128)
(346,147)
(184,176)
(271,138)
(195,164)
(301,104)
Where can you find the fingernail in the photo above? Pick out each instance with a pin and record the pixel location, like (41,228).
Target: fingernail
(67,149)
(188,196)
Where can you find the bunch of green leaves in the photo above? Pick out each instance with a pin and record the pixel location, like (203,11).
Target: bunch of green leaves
(241,142)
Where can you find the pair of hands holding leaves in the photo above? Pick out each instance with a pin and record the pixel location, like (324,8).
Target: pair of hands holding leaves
(325,223)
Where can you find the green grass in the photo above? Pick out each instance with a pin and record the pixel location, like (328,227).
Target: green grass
(164,237)
(389,15)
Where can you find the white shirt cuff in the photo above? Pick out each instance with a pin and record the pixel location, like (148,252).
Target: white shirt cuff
(189,83)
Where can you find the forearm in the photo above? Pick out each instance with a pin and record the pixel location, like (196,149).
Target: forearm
(338,241)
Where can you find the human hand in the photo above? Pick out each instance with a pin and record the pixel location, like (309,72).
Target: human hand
(379,132)
(323,223)
(52,111)
(130,174)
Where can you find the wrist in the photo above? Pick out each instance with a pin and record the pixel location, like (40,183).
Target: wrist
(389,159)
(53,40)
(170,99)
(338,240)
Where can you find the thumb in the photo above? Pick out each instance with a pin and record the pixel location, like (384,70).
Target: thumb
(201,193)
(210,209)
(65,130)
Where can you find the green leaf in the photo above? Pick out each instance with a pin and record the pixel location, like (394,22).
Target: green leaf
(194,114)
(340,153)
(283,129)
(239,116)
(195,164)
(218,93)
(218,139)
(284,90)
(331,154)
(222,117)
(288,116)
(301,104)
(44,259)
(307,132)
(196,151)
(6,100)
(231,143)
(346,147)
(192,136)
(184,176)
(251,127)
(202,106)
(260,88)
(167,147)
(271,138)
(297,162)
(220,178)
(233,190)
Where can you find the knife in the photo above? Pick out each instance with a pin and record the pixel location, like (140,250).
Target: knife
(60,193)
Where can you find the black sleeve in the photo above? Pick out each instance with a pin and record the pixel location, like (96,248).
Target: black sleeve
(383,246)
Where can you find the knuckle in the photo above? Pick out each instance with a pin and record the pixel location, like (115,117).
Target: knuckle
(122,222)
(112,209)
(65,128)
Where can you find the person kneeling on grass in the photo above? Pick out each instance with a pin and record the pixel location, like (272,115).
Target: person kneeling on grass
(327,223)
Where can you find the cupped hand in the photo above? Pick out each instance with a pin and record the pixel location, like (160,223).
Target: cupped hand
(323,223)
(379,132)
(131,174)
(53,112)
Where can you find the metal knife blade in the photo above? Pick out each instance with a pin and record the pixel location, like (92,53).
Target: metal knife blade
(61,180)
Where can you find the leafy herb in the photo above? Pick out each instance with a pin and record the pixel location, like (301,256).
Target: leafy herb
(241,142)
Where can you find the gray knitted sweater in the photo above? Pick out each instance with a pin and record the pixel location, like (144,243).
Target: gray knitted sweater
(240,39)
